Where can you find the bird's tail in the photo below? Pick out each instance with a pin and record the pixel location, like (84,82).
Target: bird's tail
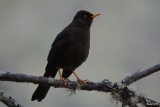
(42,90)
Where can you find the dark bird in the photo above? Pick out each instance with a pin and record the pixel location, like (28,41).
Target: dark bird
(68,51)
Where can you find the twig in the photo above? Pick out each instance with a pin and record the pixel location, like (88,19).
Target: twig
(148,102)
(140,74)
(130,98)
(8,100)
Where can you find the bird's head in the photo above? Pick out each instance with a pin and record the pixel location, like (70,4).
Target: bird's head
(84,18)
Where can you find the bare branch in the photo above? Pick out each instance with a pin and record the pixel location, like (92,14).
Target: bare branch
(99,86)
(140,74)
(8,100)
(119,92)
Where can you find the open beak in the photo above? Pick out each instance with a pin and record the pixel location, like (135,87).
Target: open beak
(95,14)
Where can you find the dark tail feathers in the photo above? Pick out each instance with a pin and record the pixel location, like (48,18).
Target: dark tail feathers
(40,93)
(42,90)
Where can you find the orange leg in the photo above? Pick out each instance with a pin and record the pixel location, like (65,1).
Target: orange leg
(61,78)
(78,79)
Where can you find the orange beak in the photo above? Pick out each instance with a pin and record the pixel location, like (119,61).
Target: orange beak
(95,14)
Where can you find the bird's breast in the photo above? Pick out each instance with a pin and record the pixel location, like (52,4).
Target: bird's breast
(77,52)
(80,49)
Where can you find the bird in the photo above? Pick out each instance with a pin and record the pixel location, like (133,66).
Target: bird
(68,51)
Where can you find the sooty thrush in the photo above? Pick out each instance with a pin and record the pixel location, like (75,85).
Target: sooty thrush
(68,51)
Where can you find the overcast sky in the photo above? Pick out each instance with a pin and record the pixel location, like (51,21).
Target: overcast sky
(124,39)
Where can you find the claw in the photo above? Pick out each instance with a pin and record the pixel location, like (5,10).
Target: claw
(64,80)
(83,81)
(78,79)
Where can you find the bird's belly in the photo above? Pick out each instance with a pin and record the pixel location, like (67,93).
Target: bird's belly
(74,56)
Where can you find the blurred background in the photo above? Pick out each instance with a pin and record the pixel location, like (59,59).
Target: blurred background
(124,39)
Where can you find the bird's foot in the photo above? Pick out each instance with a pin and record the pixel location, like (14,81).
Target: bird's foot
(84,82)
(64,80)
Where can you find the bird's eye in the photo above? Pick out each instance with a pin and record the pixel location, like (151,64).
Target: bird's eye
(85,16)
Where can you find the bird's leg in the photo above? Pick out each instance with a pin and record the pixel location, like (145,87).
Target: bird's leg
(61,78)
(78,79)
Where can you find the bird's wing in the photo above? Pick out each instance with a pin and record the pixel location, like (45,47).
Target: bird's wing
(59,45)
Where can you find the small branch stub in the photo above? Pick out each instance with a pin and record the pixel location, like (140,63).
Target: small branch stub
(8,100)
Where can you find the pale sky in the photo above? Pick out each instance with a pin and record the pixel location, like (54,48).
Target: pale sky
(124,39)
